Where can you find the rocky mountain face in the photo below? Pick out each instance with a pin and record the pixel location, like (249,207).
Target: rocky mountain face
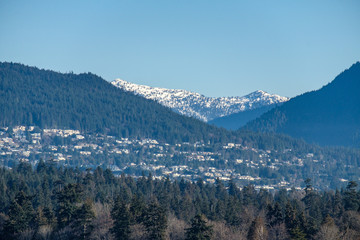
(199,106)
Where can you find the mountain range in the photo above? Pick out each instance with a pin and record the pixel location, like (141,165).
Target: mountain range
(113,125)
(328,116)
(196,105)
(32,96)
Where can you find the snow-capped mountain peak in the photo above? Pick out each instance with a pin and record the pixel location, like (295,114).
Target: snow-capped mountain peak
(197,105)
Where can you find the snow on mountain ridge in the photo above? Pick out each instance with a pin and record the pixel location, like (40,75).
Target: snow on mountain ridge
(197,105)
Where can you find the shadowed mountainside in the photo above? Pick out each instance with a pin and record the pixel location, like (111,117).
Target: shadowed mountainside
(328,116)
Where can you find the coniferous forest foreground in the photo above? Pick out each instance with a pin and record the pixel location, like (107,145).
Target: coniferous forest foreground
(64,203)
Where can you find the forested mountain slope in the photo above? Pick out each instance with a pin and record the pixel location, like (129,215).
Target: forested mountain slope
(48,99)
(329,116)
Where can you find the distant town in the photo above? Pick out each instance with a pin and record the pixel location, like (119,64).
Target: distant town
(137,157)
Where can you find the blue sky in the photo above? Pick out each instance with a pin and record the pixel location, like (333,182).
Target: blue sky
(217,48)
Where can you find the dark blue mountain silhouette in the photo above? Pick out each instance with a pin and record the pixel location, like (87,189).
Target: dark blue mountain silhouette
(328,116)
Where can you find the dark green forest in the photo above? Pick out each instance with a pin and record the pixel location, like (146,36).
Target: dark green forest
(329,116)
(64,203)
(47,99)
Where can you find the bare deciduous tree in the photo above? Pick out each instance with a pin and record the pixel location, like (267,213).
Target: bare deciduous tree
(175,229)
(102,222)
(278,232)
(44,232)
(328,232)
(222,231)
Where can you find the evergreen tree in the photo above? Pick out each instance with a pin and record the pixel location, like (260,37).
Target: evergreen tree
(297,234)
(50,215)
(199,229)
(233,210)
(137,209)
(290,216)
(249,195)
(82,226)
(312,204)
(293,224)
(40,218)
(233,189)
(155,221)
(15,223)
(274,214)
(68,198)
(21,215)
(351,197)
(338,206)
(122,220)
